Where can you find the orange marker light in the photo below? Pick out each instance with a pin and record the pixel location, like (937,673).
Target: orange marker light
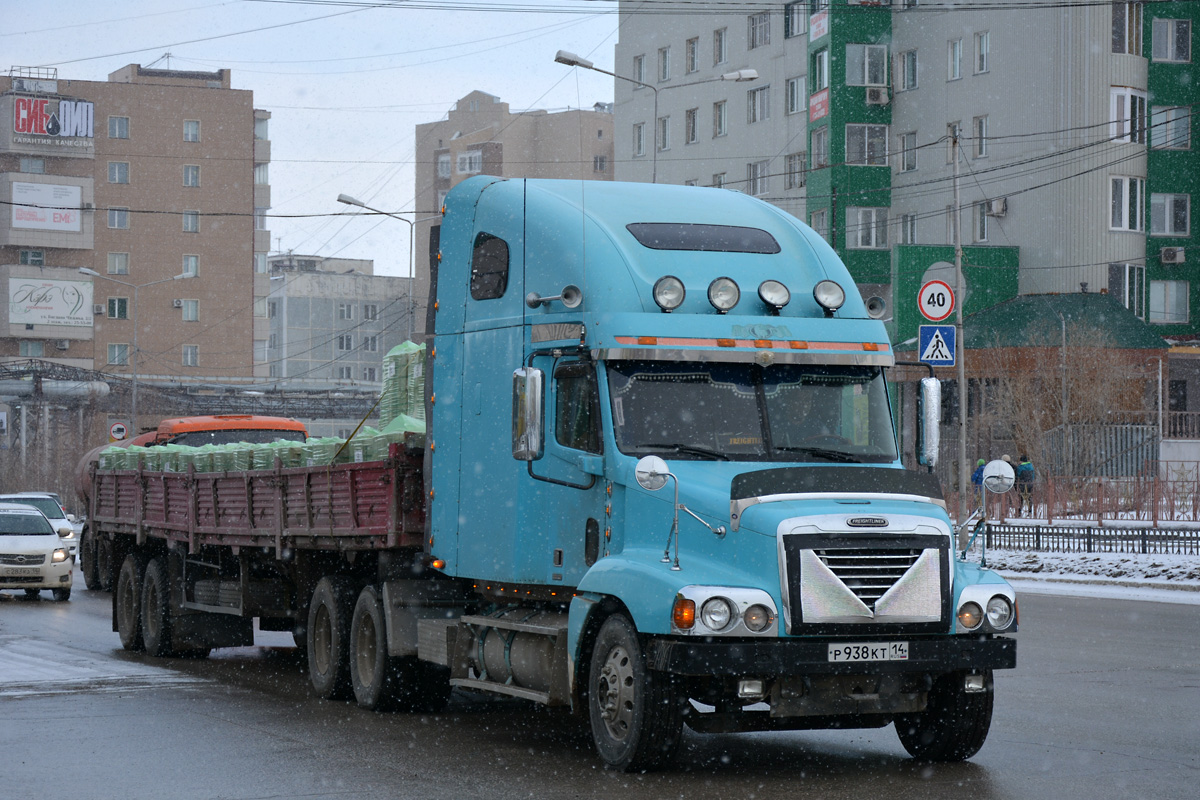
(870,346)
(798,345)
(726,342)
(763,344)
(437,563)
(683,615)
(647,340)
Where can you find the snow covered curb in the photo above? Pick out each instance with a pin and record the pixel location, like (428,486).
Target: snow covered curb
(1132,569)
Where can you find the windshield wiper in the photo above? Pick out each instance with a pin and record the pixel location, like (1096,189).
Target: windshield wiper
(822,452)
(690,449)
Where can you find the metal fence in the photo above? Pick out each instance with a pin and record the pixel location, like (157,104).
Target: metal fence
(1043,538)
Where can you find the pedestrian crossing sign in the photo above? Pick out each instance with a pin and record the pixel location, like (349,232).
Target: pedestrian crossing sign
(936,345)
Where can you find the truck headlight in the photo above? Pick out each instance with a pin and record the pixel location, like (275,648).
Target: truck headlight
(999,612)
(757,618)
(716,613)
(970,615)
(669,293)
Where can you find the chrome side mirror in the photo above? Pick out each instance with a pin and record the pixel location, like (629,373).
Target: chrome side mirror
(651,473)
(527,413)
(998,476)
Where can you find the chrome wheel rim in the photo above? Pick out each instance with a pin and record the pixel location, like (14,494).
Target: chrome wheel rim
(614,692)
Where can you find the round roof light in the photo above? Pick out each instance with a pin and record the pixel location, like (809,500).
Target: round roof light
(829,296)
(774,294)
(669,293)
(724,294)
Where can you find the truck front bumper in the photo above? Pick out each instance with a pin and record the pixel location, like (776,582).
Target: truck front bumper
(783,657)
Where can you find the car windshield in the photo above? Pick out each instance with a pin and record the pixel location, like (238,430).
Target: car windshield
(23,525)
(46,505)
(744,412)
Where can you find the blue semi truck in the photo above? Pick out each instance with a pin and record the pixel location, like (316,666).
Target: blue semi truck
(660,486)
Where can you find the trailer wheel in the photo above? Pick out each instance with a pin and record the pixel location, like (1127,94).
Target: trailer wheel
(156,609)
(128,600)
(329,616)
(636,713)
(87,559)
(373,673)
(953,725)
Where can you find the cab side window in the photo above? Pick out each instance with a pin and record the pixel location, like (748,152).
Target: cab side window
(577,407)
(489,267)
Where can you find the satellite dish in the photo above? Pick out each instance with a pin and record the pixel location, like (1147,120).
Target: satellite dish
(998,476)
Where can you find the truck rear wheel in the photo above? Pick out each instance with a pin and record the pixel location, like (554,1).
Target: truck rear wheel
(156,609)
(329,616)
(128,600)
(373,673)
(953,725)
(87,559)
(636,713)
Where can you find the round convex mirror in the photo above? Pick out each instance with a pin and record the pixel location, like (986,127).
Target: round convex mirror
(651,472)
(998,476)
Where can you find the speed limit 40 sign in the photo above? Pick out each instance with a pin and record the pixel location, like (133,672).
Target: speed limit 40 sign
(936,301)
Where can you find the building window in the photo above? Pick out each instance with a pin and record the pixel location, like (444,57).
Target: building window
(118,263)
(639,68)
(718,180)
(1127,282)
(1169,214)
(260,263)
(191,222)
(118,308)
(1171,40)
(758,32)
(260,218)
(664,64)
(599,163)
(118,172)
(1168,302)
(191,175)
(983,45)
(1128,115)
(691,134)
(908,70)
(260,307)
(720,119)
(720,46)
(866,228)
(345,342)
(345,311)
(1128,201)
(664,133)
(260,129)
(981,221)
(639,139)
(908,151)
(191,355)
(443,165)
(866,145)
(28,349)
(33,166)
(796,95)
(954,60)
(118,218)
(370,344)
(191,310)
(191,130)
(1170,127)
(819,147)
(795,19)
(191,266)
(345,374)
(794,166)
(866,65)
(370,374)
(370,312)
(820,70)
(757,178)
(470,162)
(262,174)
(33,258)
(979,126)
(118,355)
(118,127)
(908,229)
(1127,27)
(691,55)
(819,222)
(758,104)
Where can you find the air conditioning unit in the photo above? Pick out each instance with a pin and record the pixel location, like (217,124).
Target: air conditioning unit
(176,304)
(1171,255)
(998,207)
(62,344)
(98,310)
(877,96)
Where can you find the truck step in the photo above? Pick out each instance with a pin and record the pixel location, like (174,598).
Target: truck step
(502,688)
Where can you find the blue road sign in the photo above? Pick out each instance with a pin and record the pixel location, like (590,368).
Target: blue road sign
(936,345)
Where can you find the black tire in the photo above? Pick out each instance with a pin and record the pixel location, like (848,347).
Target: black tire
(61,595)
(104,563)
(87,559)
(156,609)
(128,601)
(33,594)
(636,713)
(374,675)
(954,724)
(329,616)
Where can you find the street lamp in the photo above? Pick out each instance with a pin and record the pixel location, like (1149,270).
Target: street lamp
(412,275)
(133,355)
(739,76)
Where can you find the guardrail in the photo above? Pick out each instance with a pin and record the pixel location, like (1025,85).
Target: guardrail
(1059,539)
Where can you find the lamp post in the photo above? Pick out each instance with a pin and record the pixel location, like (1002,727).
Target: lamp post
(133,355)
(572,60)
(412,224)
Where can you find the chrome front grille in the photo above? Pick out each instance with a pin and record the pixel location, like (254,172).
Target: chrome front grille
(868,572)
(22,559)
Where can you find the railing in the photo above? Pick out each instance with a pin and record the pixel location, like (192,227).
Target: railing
(1182,425)
(1043,538)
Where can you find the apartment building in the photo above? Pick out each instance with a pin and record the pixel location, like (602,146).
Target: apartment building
(481,136)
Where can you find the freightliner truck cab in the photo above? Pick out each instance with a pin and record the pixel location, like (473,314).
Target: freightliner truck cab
(662,454)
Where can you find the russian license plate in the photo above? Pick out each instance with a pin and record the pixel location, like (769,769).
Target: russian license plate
(869,651)
(21,571)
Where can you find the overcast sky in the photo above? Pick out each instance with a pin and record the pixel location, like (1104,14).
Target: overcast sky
(346,83)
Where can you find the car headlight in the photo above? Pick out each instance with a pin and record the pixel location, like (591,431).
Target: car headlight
(999,612)
(59,556)
(970,616)
(716,613)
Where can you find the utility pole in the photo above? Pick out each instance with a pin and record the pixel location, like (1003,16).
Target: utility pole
(964,476)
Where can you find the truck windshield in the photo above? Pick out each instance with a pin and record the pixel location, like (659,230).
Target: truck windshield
(744,412)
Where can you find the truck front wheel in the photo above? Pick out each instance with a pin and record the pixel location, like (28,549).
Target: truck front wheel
(128,600)
(329,615)
(953,725)
(636,713)
(87,559)
(156,609)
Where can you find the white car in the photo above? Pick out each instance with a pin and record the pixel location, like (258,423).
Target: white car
(48,503)
(32,555)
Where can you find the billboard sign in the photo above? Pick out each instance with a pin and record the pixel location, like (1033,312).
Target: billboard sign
(40,301)
(47,207)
